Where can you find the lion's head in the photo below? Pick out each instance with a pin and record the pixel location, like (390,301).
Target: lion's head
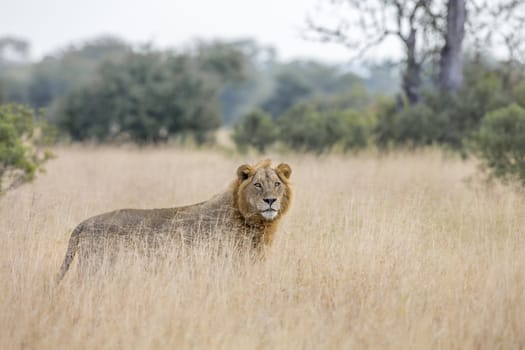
(262,192)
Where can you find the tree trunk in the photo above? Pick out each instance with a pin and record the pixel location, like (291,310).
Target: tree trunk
(451,65)
(412,74)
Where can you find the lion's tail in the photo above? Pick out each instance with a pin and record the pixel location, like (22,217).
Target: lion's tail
(70,253)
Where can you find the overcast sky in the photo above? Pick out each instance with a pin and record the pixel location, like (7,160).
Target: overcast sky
(51,24)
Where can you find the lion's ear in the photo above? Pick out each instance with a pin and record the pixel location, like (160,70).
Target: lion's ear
(284,169)
(244,172)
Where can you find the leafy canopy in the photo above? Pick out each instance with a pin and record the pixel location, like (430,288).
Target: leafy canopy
(500,143)
(21,141)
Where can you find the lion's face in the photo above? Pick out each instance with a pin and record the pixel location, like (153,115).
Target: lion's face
(264,191)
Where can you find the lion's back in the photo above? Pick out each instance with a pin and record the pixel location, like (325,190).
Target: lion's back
(185,222)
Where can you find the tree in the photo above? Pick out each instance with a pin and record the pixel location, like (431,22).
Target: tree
(298,81)
(428,29)
(12,48)
(451,59)
(21,141)
(237,62)
(3,94)
(497,24)
(147,98)
(290,89)
(71,68)
(487,24)
(223,59)
(376,21)
(14,69)
(444,118)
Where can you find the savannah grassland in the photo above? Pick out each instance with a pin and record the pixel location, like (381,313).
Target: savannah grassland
(407,250)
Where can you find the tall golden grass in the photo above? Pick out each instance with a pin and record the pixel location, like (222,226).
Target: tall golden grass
(408,250)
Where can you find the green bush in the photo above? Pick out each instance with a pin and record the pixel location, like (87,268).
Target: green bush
(256,129)
(385,129)
(345,129)
(21,141)
(413,126)
(500,143)
(306,128)
(461,114)
(518,93)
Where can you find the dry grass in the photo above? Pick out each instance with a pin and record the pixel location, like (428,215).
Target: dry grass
(393,252)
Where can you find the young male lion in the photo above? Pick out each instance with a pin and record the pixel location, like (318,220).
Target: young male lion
(248,212)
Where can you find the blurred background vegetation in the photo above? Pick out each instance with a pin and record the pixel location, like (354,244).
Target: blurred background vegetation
(449,89)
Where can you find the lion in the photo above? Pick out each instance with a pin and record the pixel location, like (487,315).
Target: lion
(248,212)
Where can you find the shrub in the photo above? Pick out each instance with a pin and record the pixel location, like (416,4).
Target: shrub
(306,128)
(518,93)
(500,143)
(347,129)
(385,129)
(21,139)
(414,126)
(256,129)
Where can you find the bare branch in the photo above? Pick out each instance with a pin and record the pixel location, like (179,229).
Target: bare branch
(377,20)
(497,24)
(340,36)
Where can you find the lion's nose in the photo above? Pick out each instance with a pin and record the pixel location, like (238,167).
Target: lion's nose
(270,201)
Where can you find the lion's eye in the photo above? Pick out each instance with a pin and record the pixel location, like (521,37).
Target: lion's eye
(277,184)
(258,185)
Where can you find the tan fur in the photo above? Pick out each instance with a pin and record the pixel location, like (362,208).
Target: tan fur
(248,212)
